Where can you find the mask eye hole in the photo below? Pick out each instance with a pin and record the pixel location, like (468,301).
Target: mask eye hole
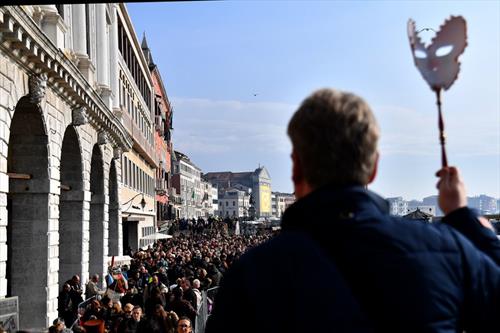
(444,50)
(419,54)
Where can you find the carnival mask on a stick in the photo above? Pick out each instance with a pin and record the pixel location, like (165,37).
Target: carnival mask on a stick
(438,62)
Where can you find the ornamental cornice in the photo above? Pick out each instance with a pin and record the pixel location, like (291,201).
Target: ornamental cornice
(30,47)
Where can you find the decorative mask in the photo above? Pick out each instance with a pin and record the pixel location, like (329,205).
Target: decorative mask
(438,63)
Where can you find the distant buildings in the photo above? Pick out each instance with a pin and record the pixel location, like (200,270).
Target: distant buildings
(433,201)
(186,180)
(280,202)
(397,206)
(484,204)
(234,203)
(259,181)
(431,210)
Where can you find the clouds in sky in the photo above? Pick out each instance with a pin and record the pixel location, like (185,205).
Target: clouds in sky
(242,134)
(213,127)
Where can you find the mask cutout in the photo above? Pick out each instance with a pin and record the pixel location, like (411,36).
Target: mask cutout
(438,63)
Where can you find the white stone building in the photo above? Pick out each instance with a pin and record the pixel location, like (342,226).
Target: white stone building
(280,202)
(215,200)
(397,206)
(234,203)
(60,151)
(207,200)
(186,179)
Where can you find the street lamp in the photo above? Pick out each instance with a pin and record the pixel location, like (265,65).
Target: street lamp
(143,202)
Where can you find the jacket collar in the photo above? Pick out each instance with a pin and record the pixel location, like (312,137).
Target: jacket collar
(331,202)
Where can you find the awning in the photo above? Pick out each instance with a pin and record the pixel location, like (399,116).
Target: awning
(134,218)
(157,235)
(119,260)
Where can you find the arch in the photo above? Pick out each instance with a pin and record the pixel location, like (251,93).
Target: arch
(114,219)
(70,208)
(96,223)
(28,214)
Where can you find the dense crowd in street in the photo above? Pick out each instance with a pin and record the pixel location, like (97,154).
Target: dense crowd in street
(161,289)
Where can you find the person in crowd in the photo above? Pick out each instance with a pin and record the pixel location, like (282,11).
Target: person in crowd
(75,294)
(188,293)
(156,298)
(132,295)
(158,321)
(59,326)
(125,315)
(197,292)
(65,306)
(94,310)
(184,325)
(135,324)
(76,289)
(92,288)
(115,317)
(171,320)
(182,307)
(383,274)
(155,283)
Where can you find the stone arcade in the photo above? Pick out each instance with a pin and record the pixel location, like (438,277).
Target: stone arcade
(60,147)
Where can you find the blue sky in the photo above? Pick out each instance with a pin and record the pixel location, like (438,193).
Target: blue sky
(215,56)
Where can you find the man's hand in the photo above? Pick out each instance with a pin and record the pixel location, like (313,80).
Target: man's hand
(451,190)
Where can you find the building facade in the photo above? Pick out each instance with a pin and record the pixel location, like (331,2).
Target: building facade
(186,179)
(234,203)
(397,206)
(484,204)
(280,202)
(136,107)
(207,201)
(259,181)
(60,151)
(163,139)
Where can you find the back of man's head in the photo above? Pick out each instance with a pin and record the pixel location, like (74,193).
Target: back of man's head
(334,135)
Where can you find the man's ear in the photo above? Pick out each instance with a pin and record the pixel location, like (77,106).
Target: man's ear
(375,169)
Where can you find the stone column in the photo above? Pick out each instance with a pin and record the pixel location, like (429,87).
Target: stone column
(53,25)
(102,53)
(79,29)
(113,55)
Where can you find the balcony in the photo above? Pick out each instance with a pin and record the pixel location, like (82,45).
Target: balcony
(141,144)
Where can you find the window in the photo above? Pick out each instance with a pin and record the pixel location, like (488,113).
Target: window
(124,171)
(87,27)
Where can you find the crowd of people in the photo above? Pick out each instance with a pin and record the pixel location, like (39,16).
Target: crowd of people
(161,289)
(201,225)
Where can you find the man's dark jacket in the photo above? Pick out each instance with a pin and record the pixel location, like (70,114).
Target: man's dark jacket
(343,264)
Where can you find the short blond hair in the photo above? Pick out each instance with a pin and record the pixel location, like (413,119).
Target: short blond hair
(334,134)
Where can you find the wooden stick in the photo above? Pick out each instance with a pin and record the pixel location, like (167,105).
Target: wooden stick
(442,136)
(14,175)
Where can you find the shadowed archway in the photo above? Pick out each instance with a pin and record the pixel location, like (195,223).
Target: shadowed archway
(114,219)
(96,223)
(28,214)
(70,208)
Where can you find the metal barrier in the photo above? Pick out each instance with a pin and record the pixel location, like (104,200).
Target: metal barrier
(207,299)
